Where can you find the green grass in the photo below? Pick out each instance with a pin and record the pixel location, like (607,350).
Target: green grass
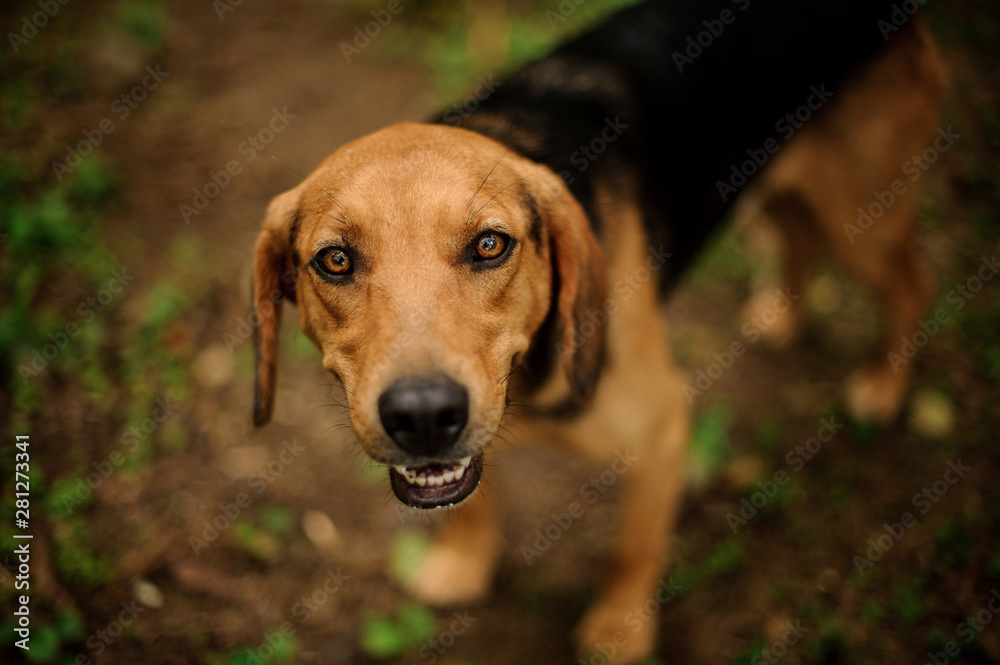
(143,21)
(277,648)
(908,603)
(458,45)
(724,263)
(76,555)
(710,446)
(387,636)
(954,542)
(767,434)
(53,640)
(873,612)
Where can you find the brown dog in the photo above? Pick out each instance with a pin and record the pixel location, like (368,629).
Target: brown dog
(432,263)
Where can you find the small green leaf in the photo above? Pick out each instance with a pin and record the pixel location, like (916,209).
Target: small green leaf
(276,519)
(418,621)
(70,626)
(406,553)
(381,638)
(44,645)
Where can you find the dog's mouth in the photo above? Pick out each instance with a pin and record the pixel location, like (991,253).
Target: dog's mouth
(436,485)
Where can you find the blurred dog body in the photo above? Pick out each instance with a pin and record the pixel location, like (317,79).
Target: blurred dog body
(446,272)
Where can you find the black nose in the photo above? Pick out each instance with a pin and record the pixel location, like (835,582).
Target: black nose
(424,415)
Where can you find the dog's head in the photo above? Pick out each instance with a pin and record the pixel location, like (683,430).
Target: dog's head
(424,260)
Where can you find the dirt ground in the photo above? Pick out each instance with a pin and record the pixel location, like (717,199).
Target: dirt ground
(168,530)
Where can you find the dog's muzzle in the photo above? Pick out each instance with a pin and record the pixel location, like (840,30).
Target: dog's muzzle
(425,416)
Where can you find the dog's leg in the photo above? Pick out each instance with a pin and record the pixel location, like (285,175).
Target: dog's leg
(459,566)
(894,273)
(884,259)
(652,493)
(637,425)
(851,171)
(778,303)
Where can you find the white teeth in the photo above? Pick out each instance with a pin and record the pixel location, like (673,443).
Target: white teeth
(427,478)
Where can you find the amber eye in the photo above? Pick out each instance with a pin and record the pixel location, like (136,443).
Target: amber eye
(490,245)
(334,261)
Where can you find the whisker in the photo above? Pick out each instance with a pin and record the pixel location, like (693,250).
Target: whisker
(325,193)
(333,217)
(511,373)
(336,427)
(483,183)
(323,406)
(502,191)
(525,405)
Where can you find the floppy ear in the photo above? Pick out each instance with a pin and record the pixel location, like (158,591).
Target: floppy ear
(581,278)
(273,282)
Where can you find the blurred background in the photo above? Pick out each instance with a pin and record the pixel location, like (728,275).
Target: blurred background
(135,166)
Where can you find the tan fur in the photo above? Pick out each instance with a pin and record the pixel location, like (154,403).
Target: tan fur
(409,199)
(817,183)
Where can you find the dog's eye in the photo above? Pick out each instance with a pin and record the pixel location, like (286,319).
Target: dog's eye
(490,245)
(334,261)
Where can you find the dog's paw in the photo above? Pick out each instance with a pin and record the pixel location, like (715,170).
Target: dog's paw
(875,395)
(605,631)
(773,316)
(449,575)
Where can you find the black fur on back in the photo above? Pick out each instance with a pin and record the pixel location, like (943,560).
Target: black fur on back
(682,131)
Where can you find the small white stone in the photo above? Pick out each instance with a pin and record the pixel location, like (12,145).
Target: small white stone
(320,530)
(147,593)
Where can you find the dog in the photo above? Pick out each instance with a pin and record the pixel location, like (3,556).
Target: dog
(448,269)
